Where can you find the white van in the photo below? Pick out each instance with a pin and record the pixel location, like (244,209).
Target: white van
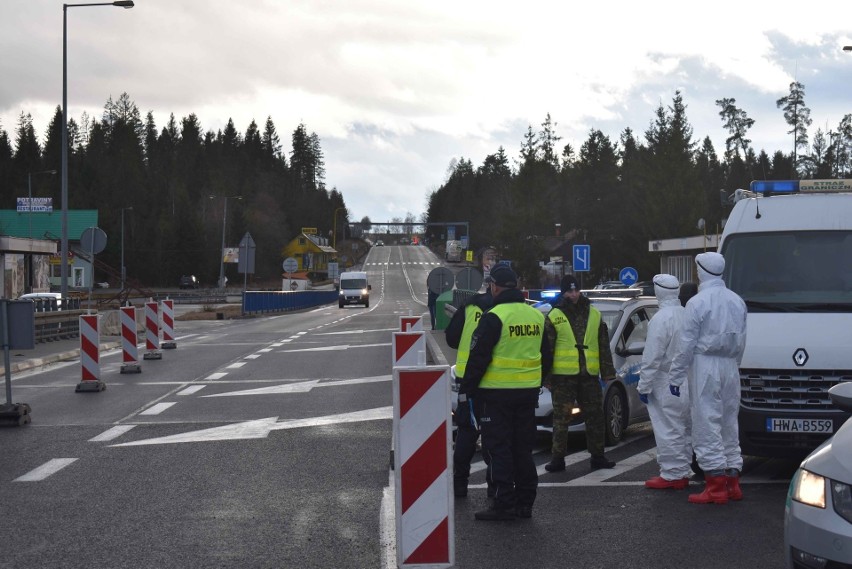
(354,289)
(788,254)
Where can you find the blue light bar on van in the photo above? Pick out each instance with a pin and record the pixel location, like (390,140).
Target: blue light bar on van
(547,294)
(768,187)
(775,186)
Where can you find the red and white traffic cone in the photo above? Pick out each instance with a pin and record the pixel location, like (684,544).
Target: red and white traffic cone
(90,352)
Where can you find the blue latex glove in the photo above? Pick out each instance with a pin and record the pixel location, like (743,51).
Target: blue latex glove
(643,397)
(472,416)
(675,390)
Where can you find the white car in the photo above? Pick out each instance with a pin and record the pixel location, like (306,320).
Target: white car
(818,512)
(626,315)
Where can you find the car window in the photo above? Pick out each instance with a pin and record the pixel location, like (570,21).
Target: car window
(635,329)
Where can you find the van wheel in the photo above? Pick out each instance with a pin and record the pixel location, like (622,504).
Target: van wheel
(367,304)
(615,416)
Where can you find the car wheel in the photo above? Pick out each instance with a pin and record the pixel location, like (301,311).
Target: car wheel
(615,415)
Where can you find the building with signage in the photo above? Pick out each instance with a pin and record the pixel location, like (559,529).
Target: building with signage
(677,255)
(29,249)
(311,251)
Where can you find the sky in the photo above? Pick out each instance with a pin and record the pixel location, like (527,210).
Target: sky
(397,90)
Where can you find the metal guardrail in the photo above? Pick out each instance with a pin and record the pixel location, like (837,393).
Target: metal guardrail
(57,325)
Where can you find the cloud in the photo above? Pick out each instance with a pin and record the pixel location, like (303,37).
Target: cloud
(396,90)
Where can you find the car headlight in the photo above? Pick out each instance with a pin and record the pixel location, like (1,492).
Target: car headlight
(841,496)
(809,488)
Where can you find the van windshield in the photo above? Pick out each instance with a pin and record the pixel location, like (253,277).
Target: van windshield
(791,271)
(353,283)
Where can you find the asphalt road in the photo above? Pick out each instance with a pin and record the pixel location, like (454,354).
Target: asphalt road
(265,443)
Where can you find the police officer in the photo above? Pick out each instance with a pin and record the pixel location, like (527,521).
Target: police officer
(508,358)
(580,344)
(458,335)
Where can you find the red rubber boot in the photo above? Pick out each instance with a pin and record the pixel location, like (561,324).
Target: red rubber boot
(735,493)
(715,491)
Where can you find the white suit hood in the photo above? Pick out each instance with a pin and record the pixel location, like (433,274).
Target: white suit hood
(710,266)
(666,289)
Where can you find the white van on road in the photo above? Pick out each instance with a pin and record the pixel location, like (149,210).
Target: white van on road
(354,289)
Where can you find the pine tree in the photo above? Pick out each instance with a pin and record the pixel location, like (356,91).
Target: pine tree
(798,116)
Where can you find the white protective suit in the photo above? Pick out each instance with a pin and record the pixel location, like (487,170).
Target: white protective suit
(712,341)
(669,414)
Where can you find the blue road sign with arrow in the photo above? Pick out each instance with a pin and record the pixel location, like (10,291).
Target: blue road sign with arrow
(582,258)
(628,276)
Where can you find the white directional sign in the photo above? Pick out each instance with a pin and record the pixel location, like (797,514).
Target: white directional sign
(582,258)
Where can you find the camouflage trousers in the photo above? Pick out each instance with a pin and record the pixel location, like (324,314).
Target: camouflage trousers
(586,391)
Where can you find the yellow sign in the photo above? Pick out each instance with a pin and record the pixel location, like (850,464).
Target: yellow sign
(468,255)
(309,230)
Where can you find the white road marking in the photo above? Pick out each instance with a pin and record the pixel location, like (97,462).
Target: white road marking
(336,348)
(358,331)
(253,356)
(50,467)
(111,434)
(264,350)
(217,375)
(156,409)
(302,386)
(191,389)
(260,428)
(235,365)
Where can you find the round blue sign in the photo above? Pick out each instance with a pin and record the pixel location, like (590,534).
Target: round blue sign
(628,276)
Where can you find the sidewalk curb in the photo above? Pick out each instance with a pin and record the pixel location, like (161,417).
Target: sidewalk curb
(33,363)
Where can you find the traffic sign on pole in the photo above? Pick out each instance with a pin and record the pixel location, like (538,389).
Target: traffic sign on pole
(582,258)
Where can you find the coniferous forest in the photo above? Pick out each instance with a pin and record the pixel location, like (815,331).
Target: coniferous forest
(616,195)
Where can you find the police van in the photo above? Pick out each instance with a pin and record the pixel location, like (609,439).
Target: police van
(788,254)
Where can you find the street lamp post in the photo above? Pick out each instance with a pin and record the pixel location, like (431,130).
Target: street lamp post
(224,227)
(64,240)
(123,268)
(30,195)
(334,244)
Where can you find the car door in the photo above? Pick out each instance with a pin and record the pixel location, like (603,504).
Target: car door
(635,330)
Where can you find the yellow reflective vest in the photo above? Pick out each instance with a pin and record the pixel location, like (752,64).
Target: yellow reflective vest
(472,314)
(516,359)
(566,355)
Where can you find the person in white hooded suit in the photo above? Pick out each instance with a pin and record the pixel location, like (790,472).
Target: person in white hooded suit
(712,342)
(669,415)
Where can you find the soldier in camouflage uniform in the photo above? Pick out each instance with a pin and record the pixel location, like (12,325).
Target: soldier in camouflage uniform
(577,366)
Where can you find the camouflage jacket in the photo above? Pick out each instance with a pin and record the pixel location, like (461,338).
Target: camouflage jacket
(578,316)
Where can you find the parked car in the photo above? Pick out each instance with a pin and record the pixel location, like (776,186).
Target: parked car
(647,287)
(626,315)
(188,281)
(818,512)
(380,243)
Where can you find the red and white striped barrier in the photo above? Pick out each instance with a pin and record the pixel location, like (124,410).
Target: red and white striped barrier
(90,354)
(408,349)
(169,342)
(422,428)
(129,348)
(152,332)
(410,324)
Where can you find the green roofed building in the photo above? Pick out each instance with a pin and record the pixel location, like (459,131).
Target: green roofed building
(30,250)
